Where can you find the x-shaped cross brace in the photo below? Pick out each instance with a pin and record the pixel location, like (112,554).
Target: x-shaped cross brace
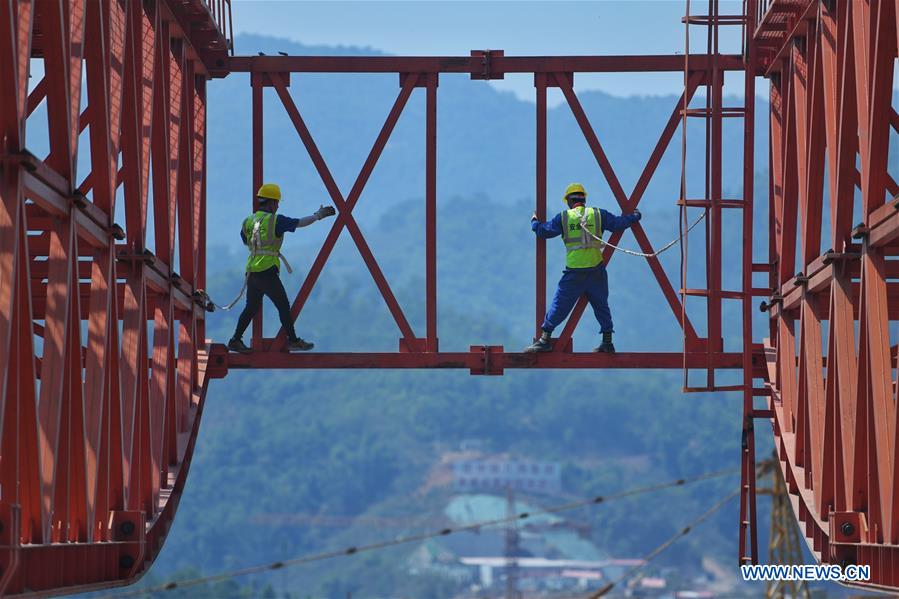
(345,206)
(628,204)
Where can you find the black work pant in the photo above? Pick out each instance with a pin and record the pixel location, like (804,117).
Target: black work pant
(267,283)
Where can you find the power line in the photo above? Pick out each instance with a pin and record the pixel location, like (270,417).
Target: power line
(182,584)
(655,552)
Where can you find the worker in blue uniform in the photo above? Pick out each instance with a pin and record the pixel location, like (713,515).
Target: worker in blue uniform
(585,272)
(263,233)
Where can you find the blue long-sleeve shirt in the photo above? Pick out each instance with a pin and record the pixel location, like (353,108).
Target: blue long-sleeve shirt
(283,224)
(610,223)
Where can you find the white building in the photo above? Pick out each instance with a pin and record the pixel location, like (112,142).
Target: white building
(497,474)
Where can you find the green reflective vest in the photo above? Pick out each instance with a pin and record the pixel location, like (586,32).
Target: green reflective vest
(582,249)
(264,245)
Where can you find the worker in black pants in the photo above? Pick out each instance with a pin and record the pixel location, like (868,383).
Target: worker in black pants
(263,233)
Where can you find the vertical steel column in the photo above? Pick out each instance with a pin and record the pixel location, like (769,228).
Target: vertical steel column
(716,150)
(200,120)
(257,146)
(431,212)
(748,478)
(540,195)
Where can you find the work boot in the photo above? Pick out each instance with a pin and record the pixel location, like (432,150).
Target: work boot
(543,344)
(299,344)
(236,344)
(606,346)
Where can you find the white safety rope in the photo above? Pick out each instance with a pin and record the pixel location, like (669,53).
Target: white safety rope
(236,299)
(255,241)
(641,254)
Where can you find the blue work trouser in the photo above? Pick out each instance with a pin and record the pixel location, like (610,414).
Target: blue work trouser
(574,283)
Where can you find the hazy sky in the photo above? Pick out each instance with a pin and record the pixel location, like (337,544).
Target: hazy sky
(440,27)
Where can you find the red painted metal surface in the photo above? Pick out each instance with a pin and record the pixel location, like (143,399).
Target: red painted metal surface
(102,346)
(97,430)
(830,355)
(423,72)
(94,458)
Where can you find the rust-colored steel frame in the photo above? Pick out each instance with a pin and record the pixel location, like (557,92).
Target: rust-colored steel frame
(97,430)
(423,72)
(832,391)
(96,434)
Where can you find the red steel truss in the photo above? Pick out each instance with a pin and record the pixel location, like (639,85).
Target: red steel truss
(98,417)
(830,355)
(104,365)
(416,351)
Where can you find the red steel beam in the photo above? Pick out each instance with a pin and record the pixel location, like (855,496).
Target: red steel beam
(431,212)
(747,473)
(473,64)
(540,83)
(258,149)
(473,360)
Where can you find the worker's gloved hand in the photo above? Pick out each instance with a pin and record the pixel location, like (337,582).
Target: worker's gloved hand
(637,214)
(324,211)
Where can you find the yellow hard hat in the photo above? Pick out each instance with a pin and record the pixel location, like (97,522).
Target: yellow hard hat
(269,191)
(573,188)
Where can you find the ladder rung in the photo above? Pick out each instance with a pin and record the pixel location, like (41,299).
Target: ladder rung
(706,203)
(710,19)
(712,389)
(727,111)
(724,294)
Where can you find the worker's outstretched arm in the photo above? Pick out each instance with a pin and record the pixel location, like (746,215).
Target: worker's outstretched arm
(613,223)
(285,223)
(548,229)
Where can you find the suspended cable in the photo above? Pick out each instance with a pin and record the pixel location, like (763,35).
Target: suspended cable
(403,540)
(655,552)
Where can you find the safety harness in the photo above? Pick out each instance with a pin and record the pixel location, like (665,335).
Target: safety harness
(259,248)
(586,239)
(269,247)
